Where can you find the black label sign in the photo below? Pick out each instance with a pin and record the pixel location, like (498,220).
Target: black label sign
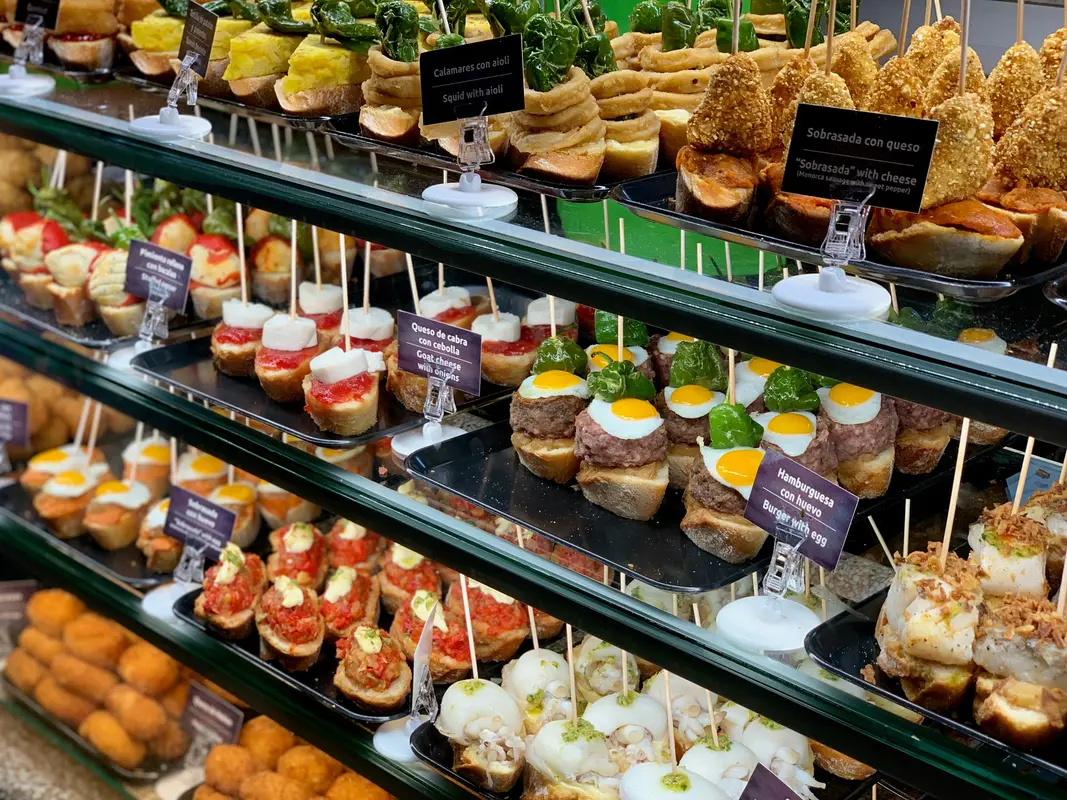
(836,154)
(194,520)
(38,12)
(472,80)
(13,597)
(197,37)
(436,349)
(765,785)
(151,265)
(787,493)
(209,717)
(14,427)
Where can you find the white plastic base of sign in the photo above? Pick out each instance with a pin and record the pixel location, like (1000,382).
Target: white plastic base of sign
(26,85)
(833,295)
(393,739)
(159,602)
(417,438)
(488,202)
(766,624)
(186,126)
(121,358)
(176,784)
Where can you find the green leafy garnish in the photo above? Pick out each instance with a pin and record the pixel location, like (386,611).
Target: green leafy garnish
(244,9)
(796,22)
(334,18)
(647,16)
(278,16)
(606,330)
(559,352)
(448,40)
(789,389)
(619,380)
(595,56)
(731,427)
(549,47)
(507,17)
(573,13)
(222,221)
(398,25)
(746,36)
(428,25)
(679,28)
(698,363)
(363,9)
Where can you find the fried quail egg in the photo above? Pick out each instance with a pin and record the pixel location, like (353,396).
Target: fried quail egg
(850,405)
(75,482)
(983,339)
(239,493)
(792,431)
(692,401)
(154,450)
(60,459)
(128,494)
(553,383)
(600,355)
(750,377)
(668,345)
(735,467)
(626,419)
(199,466)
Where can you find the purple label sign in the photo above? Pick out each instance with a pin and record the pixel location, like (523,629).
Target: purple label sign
(765,785)
(196,521)
(151,266)
(436,349)
(198,36)
(787,493)
(13,597)
(14,428)
(208,716)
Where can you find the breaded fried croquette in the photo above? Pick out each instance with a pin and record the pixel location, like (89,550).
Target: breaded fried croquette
(819,89)
(1014,81)
(95,639)
(272,786)
(205,792)
(310,766)
(1034,148)
(65,706)
(945,82)
(82,678)
(735,116)
(227,766)
(104,732)
(171,743)
(266,740)
(854,63)
(50,610)
(787,85)
(931,43)
(899,89)
(174,701)
(39,644)
(963,153)
(149,670)
(351,786)
(1051,54)
(142,716)
(23,670)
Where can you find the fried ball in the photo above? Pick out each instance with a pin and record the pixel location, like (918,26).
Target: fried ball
(351,786)
(1014,81)
(61,704)
(171,743)
(735,116)
(227,766)
(1051,55)
(95,639)
(39,644)
(1033,148)
(787,85)
(24,670)
(21,167)
(272,786)
(104,732)
(266,740)
(310,766)
(174,701)
(930,44)
(963,153)
(85,680)
(819,89)
(854,63)
(142,716)
(45,389)
(205,792)
(899,90)
(945,82)
(148,669)
(49,610)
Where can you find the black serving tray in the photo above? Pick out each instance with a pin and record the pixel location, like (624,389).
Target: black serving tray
(151,769)
(845,644)
(126,565)
(482,468)
(652,198)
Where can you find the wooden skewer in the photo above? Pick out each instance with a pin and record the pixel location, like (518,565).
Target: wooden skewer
(313,150)
(607,226)
(414,285)
(622,653)
(128,192)
(893,298)
(570,671)
(470,630)
(231,139)
(94,429)
(544,213)
(907,524)
(1019,23)
(965,25)
(822,594)
(885,547)
(852,19)
(529,608)
(1029,451)
(558,13)
(366,277)
(619,331)
(492,300)
(830,36)
(926,19)
(736,37)
(707,692)
(759,285)
(733,591)
(755,585)
(173,461)
(318,259)
(700,258)
(807,578)
(241,252)
(622,236)
(961,456)
(137,436)
(254,133)
(345,323)
(276,137)
(231,470)
(83,420)
(729,265)
(731,388)
(552,315)
(937,8)
(292,270)
(98,179)
(812,12)
(904,30)
(440,277)
(588,19)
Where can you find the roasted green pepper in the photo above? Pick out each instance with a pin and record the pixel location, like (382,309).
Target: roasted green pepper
(746,36)
(647,16)
(796,22)
(698,363)
(507,17)
(456,10)
(619,380)
(549,47)
(679,29)
(559,352)
(789,389)
(606,330)
(573,13)
(595,56)
(398,28)
(334,18)
(731,427)
(278,16)
(448,40)
(244,9)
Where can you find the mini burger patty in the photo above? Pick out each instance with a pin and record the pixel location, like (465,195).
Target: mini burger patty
(919,417)
(820,456)
(545,417)
(714,495)
(679,429)
(592,443)
(661,362)
(867,438)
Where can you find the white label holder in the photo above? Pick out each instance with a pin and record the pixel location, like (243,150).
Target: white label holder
(170,124)
(18,82)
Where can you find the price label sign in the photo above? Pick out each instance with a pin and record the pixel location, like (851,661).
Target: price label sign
(436,349)
(193,520)
(14,423)
(472,80)
(197,37)
(38,12)
(1042,474)
(765,785)
(13,597)
(151,266)
(788,493)
(835,153)
(208,717)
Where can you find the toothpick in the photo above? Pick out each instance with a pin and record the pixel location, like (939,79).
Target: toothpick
(254,133)
(276,137)
(785,271)
(852,20)
(97,181)
(128,192)
(440,277)
(736,36)
(937,7)
(313,150)
(961,456)
(822,594)
(137,436)
(83,420)
(470,630)
(318,259)
(926,18)
(588,19)
(414,286)
(812,11)
(492,300)
(366,276)
(907,525)
(1019,23)
(345,325)
(570,670)
(707,692)
(622,236)
(681,248)
(292,270)
(230,468)
(557,10)
(444,15)
(607,226)
(755,585)
(965,25)
(733,591)
(241,252)
(173,460)
(606,579)
(552,314)
(830,36)
(374,162)
(1029,451)
(807,578)
(700,258)
(893,297)
(94,429)
(619,330)
(529,608)
(885,547)
(731,389)
(329,145)
(667,675)
(729,265)
(759,285)
(903,38)
(622,653)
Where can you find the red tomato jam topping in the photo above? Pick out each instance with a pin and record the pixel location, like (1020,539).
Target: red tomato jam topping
(521,346)
(345,391)
(498,617)
(452,314)
(268,358)
(20,219)
(350,608)
(297,625)
(452,644)
(374,345)
(292,564)
(423,576)
(542,332)
(233,598)
(52,237)
(325,322)
(351,552)
(227,334)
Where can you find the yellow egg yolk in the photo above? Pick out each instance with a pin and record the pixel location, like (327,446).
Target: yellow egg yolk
(692,395)
(790,424)
(112,487)
(207,465)
(633,409)
(69,479)
(328,452)
(976,336)
(237,492)
(555,380)
(845,394)
(164,506)
(158,453)
(604,354)
(763,366)
(739,467)
(674,336)
(49,457)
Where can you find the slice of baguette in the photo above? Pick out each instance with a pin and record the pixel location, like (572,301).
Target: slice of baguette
(345,419)
(71,305)
(153,65)
(293,657)
(727,536)
(35,286)
(122,320)
(576,165)
(507,370)
(212,84)
(868,476)
(630,492)
(329,101)
(552,459)
(386,699)
(680,459)
(208,300)
(91,55)
(258,92)
(391,124)
(624,160)
(230,626)
(918,452)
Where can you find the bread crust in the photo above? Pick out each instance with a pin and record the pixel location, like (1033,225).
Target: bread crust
(208,300)
(332,101)
(579,165)
(981,433)
(119,535)
(238,360)
(304,511)
(680,458)
(392,596)
(94,54)
(443,668)
(71,305)
(507,370)
(630,492)
(727,536)
(229,626)
(152,65)
(292,657)
(303,578)
(271,287)
(868,476)
(345,419)
(380,699)
(35,286)
(258,92)
(495,776)
(212,84)
(391,124)
(837,763)
(122,320)
(551,459)
(673,133)
(624,160)
(284,385)
(947,251)
(729,205)
(918,452)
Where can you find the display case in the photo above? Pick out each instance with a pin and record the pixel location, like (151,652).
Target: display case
(469,504)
